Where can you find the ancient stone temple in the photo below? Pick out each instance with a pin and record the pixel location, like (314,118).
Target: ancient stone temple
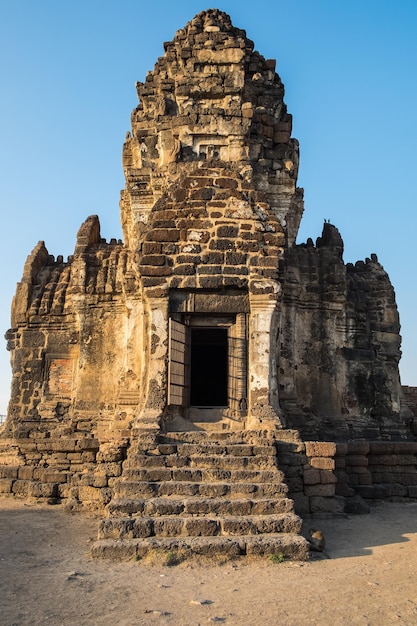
(206,336)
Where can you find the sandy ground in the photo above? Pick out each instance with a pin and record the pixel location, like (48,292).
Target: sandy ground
(47,577)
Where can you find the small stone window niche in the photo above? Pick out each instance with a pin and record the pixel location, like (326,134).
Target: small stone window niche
(59,377)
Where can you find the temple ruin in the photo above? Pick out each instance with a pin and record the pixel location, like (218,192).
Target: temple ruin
(176,377)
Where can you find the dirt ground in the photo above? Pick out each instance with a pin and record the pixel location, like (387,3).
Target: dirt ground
(47,577)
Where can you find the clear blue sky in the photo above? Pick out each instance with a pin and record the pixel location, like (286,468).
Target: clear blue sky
(68,73)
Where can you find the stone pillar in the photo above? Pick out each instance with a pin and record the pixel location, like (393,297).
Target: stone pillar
(238,369)
(264,411)
(241,357)
(155,362)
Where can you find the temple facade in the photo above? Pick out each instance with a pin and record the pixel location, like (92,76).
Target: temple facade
(208,311)
(208,317)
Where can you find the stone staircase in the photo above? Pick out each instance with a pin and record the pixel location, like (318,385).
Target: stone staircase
(201,493)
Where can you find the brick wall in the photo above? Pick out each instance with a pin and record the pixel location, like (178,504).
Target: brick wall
(378,470)
(322,476)
(76,470)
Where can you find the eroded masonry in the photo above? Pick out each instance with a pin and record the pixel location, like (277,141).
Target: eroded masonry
(163,375)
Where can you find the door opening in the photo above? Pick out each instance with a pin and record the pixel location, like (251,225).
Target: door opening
(209,371)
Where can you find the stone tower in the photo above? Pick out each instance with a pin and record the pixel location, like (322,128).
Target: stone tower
(208,315)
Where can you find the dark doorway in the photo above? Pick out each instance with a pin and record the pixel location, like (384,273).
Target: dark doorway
(208,367)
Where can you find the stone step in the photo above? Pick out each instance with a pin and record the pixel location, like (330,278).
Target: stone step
(256,437)
(202,493)
(290,546)
(197,526)
(235,449)
(206,461)
(274,488)
(195,474)
(198,505)
(216,437)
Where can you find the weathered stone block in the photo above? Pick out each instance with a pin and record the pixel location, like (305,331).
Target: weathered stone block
(389,477)
(151,270)
(295,483)
(210,269)
(407,459)
(406,469)
(212,490)
(40,490)
(198,181)
(221,244)
(409,479)
(203,194)
(87,443)
(226,183)
(152,259)
(320,449)
(380,447)
(74,457)
(341,449)
(327,477)
(210,282)
(151,248)
(235,258)
(371,492)
(21,487)
(312,476)
(25,472)
(89,494)
(163,234)
(168,527)
(384,459)
(100,480)
(358,448)
(33,339)
(281,137)
(237,526)
(405,447)
(301,503)
(197,527)
(356,460)
(357,469)
(327,490)
(67,492)
(51,476)
(365,479)
(6,485)
(334,506)
(341,475)
(142,527)
(324,463)
(185,269)
(106,548)
(9,471)
(63,445)
(213,258)
(293,470)
(342,489)
(247,110)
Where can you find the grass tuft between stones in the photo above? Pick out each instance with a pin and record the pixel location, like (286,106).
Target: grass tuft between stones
(277,558)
